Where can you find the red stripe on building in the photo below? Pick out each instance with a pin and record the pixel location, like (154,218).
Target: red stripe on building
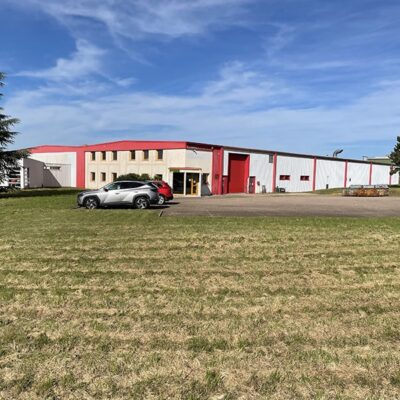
(136,145)
(314,174)
(80,169)
(217,170)
(370,173)
(346,165)
(275,161)
(54,149)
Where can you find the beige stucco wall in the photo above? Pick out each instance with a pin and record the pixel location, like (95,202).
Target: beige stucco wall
(178,158)
(124,165)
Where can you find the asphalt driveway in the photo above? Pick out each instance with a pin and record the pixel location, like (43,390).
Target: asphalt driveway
(285,205)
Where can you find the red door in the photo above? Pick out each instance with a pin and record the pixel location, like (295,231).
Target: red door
(224,184)
(238,173)
(252,184)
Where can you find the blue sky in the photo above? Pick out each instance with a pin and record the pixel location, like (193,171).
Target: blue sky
(295,75)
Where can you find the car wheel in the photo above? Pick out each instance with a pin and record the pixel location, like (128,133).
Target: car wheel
(91,203)
(141,202)
(161,200)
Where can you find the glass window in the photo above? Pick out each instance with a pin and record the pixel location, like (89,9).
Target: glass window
(103,155)
(145,154)
(103,176)
(115,155)
(160,154)
(304,177)
(93,176)
(113,186)
(158,177)
(133,155)
(113,176)
(178,182)
(284,177)
(93,153)
(271,158)
(131,185)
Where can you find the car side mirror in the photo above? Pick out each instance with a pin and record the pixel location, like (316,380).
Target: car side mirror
(105,189)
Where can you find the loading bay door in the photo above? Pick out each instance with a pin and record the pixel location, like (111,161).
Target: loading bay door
(238,173)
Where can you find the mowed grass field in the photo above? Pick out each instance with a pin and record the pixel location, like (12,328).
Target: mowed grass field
(123,304)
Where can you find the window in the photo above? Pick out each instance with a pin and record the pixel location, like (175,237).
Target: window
(131,185)
(113,186)
(93,176)
(113,176)
(93,155)
(115,155)
(145,154)
(204,179)
(271,158)
(304,177)
(160,154)
(133,155)
(158,177)
(103,176)
(284,177)
(103,155)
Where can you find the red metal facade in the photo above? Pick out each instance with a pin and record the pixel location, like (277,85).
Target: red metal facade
(217,170)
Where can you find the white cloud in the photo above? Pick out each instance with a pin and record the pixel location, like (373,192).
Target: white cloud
(232,110)
(85,61)
(135,18)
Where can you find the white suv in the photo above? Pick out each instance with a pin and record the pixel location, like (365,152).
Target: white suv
(135,193)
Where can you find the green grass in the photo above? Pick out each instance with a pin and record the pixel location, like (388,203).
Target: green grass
(122,304)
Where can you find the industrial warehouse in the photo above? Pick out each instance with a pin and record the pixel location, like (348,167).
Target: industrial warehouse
(196,169)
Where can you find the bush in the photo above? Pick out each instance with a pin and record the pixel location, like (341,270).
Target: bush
(134,177)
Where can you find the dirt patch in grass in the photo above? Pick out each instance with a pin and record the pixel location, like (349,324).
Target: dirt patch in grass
(122,304)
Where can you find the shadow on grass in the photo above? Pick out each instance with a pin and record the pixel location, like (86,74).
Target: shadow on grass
(126,207)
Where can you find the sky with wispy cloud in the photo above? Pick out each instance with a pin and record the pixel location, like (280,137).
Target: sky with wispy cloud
(293,75)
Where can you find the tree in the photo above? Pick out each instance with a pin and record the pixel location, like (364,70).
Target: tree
(8,158)
(395,156)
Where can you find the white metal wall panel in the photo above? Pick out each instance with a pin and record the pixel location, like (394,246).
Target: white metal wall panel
(395,179)
(262,169)
(33,170)
(329,174)
(68,158)
(380,174)
(357,174)
(57,175)
(295,167)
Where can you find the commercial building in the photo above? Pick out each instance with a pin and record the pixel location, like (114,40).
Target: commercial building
(195,168)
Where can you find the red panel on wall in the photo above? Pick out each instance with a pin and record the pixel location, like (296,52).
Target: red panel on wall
(217,170)
(238,172)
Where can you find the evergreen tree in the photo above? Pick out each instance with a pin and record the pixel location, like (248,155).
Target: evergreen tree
(395,156)
(8,158)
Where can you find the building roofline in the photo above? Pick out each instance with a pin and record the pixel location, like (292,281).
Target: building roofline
(170,144)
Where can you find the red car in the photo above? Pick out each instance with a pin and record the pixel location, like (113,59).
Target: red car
(164,190)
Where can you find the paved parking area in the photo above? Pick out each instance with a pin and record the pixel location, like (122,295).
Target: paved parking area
(285,205)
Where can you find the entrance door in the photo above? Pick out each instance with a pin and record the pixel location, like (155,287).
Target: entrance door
(252,184)
(178,182)
(192,183)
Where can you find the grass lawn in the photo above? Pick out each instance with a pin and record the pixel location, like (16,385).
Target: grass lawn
(122,304)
